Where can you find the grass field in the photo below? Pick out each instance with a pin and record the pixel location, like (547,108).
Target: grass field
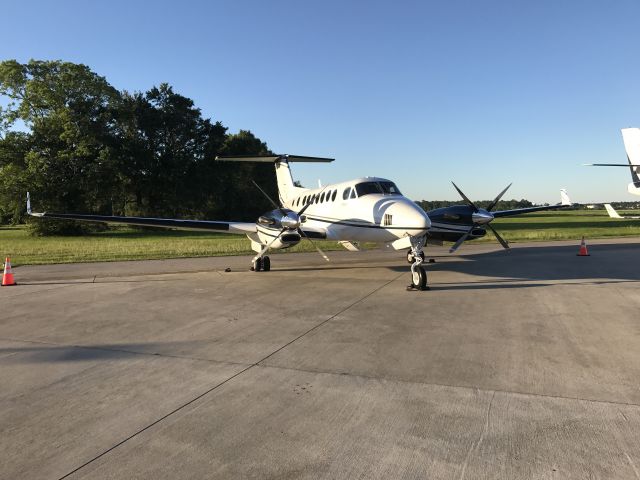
(130,244)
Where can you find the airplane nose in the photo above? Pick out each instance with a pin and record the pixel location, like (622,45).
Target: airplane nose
(410,216)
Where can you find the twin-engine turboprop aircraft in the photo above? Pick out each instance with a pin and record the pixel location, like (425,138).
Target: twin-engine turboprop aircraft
(366,209)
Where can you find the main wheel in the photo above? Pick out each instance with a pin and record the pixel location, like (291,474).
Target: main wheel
(257,265)
(266,264)
(419,278)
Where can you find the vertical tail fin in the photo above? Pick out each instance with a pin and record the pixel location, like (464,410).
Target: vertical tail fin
(611,211)
(286,188)
(564,197)
(631,139)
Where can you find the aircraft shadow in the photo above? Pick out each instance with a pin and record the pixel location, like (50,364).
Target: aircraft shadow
(608,263)
(46,353)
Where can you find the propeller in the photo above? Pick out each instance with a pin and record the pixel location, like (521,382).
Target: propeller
(480,216)
(291,221)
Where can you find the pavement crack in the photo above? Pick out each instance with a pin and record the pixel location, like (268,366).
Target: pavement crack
(476,446)
(633,466)
(324,322)
(220,384)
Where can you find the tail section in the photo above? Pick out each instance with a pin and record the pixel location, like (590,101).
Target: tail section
(611,211)
(564,197)
(631,139)
(287,191)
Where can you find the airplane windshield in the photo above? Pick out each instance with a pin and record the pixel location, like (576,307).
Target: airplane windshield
(384,188)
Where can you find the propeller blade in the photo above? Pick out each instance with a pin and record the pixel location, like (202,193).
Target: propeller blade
(460,240)
(268,245)
(497,199)
(502,241)
(465,197)
(322,254)
(304,208)
(267,196)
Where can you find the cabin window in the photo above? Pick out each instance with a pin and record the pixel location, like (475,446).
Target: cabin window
(322,198)
(333,196)
(346,193)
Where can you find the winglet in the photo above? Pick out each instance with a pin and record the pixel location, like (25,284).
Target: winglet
(611,211)
(33,214)
(564,197)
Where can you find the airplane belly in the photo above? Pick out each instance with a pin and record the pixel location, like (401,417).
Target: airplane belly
(369,233)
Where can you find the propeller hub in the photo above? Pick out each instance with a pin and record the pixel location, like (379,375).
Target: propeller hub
(482,217)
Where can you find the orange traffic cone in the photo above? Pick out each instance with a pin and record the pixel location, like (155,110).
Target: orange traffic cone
(7,277)
(583,249)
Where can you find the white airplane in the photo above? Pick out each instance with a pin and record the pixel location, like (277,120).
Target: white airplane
(631,139)
(613,214)
(368,209)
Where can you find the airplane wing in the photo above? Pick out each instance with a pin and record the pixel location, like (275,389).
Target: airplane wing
(226,227)
(565,202)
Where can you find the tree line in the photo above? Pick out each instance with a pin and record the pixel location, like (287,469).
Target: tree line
(80,145)
(501,205)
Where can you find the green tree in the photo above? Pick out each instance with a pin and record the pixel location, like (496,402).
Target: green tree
(69,112)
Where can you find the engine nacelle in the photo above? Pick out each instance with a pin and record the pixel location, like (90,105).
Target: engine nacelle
(271,225)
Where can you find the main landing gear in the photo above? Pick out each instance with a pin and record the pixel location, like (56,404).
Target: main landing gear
(415,256)
(261,263)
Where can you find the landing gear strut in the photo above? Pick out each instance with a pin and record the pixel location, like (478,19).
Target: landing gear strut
(411,258)
(415,256)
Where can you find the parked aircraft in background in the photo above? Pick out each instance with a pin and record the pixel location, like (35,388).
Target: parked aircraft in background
(631,139)
(613,214)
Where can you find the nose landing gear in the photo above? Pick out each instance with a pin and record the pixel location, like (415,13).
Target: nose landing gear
(415,256)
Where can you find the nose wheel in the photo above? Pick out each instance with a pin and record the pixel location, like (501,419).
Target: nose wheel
(418,279)
(415,256)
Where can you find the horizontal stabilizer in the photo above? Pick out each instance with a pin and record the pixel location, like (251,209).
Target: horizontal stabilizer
(606,165)
(273,158)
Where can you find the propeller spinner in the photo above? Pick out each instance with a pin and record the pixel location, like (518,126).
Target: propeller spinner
(290,222)
(480,216)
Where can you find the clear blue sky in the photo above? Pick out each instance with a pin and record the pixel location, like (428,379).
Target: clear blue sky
(480,92)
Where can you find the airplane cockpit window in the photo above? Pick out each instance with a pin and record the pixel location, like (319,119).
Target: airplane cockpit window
(353,193)
(389,188)
(384,188)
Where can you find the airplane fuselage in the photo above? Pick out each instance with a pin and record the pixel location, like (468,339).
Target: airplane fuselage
(369,209)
